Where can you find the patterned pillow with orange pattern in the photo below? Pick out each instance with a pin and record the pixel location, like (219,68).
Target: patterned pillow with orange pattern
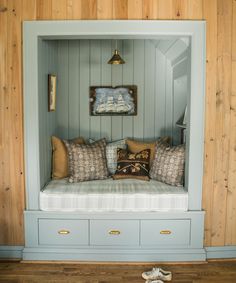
(132,165)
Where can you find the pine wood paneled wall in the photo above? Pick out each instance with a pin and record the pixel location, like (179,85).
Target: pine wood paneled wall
(219,192)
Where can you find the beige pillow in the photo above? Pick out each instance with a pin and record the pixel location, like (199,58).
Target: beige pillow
(137,146)
(59,157)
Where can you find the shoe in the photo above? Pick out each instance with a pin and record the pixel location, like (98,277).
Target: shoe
(154,281)
(157,273)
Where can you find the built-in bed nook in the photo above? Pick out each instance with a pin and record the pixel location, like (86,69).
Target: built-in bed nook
(114,186)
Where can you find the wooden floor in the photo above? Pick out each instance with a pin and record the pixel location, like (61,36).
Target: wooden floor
(213,271)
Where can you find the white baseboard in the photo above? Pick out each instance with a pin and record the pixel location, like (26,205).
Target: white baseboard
(11,252)
(221,252)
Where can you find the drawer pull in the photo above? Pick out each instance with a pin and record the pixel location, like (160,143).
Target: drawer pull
(63,232)
(165,232)
(114,232)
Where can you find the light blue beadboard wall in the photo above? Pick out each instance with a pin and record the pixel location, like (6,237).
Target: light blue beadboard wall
(83,63)
(47,120)
(79,64)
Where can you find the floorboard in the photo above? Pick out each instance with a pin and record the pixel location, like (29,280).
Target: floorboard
(43,272)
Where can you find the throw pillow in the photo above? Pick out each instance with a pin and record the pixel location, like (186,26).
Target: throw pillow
(59,157)
(111,154)
(87,162)
(132,165)
(136,146)
(168,165)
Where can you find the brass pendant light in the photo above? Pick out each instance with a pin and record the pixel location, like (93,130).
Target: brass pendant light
(116,59)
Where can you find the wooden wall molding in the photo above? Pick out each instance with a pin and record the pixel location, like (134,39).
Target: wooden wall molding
(219,189)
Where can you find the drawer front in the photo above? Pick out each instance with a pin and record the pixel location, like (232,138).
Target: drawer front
(165,232)
(114,232)
(63,232)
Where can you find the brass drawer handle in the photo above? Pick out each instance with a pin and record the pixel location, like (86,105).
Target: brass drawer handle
(114,232)
(165,232)
(63,232)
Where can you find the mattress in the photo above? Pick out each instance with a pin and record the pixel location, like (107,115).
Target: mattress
(112,195)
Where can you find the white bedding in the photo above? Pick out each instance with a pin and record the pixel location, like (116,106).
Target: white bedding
(111,195)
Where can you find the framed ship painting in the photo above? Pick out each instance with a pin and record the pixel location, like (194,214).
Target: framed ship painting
(119,101)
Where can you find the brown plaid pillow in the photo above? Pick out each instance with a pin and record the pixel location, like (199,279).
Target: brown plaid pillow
(168,165)
(132,165)
(87,162)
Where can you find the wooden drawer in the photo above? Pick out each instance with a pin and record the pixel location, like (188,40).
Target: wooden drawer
(114,232)
(63,232)
(165,232)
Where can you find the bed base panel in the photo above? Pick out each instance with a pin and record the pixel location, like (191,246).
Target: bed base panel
(114,236)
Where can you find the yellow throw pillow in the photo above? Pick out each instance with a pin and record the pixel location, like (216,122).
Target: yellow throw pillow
(59,157)
(137,146)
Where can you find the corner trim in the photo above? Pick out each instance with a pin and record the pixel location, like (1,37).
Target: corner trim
(11,252)
(221,252)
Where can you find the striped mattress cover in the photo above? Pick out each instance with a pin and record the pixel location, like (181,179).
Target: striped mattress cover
(112,195)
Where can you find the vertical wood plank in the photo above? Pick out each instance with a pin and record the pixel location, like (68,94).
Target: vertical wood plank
(165,9)
(180,9)
(95,80)
(84,89)
(42,69)
(73,91)
(210,14)
(104,9)
(150,9)
(128,78)
(29,11)
(117,125)
(4,166)
(233,32)
(14,204)
(120,9)
(222,121)
(139,60)
(53,69)
(168,99)
(44,9)
(160,90)
(135,9)
(195,9)
(51,116)
(88,9)
(106,52)
(74,9)
(230,238)
(149,105)
(62,93)
(59,9)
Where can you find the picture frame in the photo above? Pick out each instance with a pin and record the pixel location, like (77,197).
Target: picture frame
(52,87)
(113,101)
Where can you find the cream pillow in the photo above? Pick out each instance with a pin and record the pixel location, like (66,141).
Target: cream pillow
(60,158)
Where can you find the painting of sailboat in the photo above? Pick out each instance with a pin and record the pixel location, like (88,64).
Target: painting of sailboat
(113,101)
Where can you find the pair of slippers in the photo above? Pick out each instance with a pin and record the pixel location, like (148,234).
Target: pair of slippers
(157,275)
